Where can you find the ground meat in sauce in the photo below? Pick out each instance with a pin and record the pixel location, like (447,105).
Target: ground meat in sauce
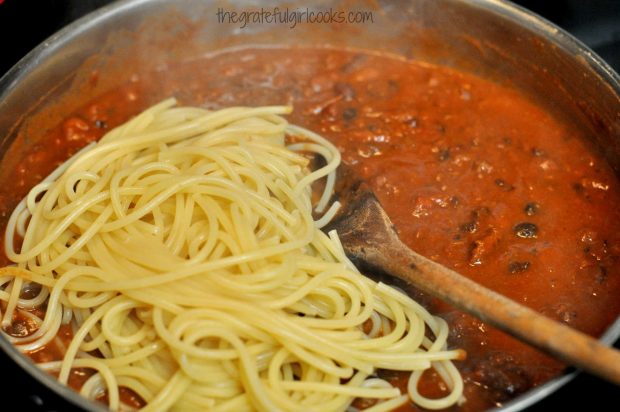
(472,174)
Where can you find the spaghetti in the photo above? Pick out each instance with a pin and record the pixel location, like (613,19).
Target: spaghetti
(182,251)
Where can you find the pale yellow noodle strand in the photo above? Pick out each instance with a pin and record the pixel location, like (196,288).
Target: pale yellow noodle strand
(182,250)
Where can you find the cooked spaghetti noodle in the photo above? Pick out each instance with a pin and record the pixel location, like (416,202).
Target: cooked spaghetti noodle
(182,250)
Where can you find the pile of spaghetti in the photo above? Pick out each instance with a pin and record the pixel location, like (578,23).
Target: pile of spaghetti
(182,251)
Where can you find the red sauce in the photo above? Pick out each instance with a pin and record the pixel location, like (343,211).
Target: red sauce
(473,174)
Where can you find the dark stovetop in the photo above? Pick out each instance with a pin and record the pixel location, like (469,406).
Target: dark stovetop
(25,23)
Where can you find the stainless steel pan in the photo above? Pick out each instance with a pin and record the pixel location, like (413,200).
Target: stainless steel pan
(489,38)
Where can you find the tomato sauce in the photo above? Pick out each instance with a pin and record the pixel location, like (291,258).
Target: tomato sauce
(473,174)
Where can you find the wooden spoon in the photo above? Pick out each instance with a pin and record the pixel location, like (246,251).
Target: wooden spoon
(369,238)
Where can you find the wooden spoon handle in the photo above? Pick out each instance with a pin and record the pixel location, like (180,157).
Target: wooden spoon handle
(559,340)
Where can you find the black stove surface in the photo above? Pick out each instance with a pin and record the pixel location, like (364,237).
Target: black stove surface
(26,23)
